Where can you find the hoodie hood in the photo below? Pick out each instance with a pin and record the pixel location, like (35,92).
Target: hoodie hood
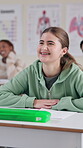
(62,77)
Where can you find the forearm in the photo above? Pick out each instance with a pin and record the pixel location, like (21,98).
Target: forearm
(20,101)
(69,104)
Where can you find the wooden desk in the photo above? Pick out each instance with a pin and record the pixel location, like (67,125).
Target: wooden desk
(67,133)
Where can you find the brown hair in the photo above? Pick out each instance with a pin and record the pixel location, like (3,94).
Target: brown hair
(62,35)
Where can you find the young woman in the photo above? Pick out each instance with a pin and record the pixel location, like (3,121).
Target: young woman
(10,64)
(54,81)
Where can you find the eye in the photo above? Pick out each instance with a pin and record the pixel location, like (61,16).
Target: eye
(41,43)
(51,43)
(3,46)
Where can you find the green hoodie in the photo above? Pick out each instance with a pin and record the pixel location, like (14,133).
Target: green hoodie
(30,83)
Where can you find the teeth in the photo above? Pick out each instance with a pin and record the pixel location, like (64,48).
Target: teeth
(45,53)
(2,52)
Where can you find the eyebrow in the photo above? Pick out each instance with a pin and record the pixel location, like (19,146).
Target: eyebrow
(47,41)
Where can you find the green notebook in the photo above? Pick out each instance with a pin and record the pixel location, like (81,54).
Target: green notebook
(16,114)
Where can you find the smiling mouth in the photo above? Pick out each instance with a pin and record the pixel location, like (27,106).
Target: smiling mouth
(44,53)
(2,53)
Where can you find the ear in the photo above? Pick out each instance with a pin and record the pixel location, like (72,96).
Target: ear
(65,50)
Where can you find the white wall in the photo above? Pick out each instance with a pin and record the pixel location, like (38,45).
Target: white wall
(27,58)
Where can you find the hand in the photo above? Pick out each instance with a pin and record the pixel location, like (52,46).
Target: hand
(44,103)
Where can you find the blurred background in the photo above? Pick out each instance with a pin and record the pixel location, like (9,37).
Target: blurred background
(22,21)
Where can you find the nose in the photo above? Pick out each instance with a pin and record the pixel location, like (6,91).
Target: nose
(44,47)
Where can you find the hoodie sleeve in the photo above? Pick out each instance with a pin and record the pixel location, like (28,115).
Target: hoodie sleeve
(70,103)
(15,92)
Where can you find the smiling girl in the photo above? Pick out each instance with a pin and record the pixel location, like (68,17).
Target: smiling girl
(10,64)
(54,81)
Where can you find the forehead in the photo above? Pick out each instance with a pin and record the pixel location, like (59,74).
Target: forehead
(48,36)
(4,44)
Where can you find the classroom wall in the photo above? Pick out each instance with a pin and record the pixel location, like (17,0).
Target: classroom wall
(27,58)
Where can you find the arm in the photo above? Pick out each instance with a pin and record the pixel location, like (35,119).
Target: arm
(10,93)
(71,103)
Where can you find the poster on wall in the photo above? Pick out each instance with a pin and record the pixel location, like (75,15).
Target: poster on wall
(74,21)
(40,17)
(11,25)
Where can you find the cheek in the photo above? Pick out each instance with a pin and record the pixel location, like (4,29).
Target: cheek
(56,51)
(7,52)
(38,48)
(38,52)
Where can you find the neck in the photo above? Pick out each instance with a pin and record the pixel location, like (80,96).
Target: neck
(51,70)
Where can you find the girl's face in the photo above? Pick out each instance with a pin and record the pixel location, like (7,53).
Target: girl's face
(50,49)
(4,49)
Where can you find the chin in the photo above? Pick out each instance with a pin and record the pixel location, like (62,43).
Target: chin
(43,60)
